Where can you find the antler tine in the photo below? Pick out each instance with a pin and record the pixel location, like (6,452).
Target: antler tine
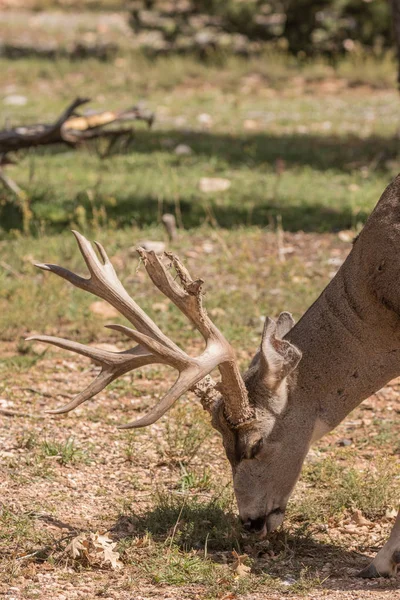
(104,283)
(178,359)
(97,354)
(187,379)
(187,296)
(113,365)
(153,346)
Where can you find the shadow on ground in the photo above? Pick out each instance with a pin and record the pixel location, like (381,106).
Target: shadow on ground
(209,527)
(260,207)
(320,152)
(143,210)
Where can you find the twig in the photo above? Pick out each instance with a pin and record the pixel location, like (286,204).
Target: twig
(15,413)
(12,186)
(279,238)
(39,392)
(10,269)
(176,524)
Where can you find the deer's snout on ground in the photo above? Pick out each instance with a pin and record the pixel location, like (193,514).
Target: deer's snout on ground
(265,524)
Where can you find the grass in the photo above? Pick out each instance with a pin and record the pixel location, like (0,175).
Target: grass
(338,489)
(274,137)
(64,452)
(192,523)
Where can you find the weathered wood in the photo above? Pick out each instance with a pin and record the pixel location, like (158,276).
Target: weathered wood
(70,128)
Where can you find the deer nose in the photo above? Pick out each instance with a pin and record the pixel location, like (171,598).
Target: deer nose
(254,525)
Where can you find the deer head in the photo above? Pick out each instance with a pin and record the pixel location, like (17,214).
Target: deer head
(246,410)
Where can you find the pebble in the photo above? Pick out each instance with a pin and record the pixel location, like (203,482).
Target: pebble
(183,150)
(15,100)
(344,442)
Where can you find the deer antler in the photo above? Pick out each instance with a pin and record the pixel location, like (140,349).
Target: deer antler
(153,346)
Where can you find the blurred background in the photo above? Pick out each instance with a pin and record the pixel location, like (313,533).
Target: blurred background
(292,103)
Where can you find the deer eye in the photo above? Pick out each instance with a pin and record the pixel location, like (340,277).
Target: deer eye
(255,449)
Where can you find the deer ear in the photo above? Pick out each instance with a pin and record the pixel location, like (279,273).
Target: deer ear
(284,324)
(277,357)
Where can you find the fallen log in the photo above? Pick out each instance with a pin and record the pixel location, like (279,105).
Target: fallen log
(70,128)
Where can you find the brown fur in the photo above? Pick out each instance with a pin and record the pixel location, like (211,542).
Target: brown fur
(350,345)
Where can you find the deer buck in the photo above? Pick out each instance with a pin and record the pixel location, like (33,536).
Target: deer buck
(302,382)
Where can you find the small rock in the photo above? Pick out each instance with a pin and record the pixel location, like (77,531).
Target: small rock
(250,125)
(346,236)
(214,184)
(183,150)
(205,119)
(15,100)
(208,247)
(344,442)
(169,222)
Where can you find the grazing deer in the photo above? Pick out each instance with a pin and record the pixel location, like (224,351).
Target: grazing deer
(302,382)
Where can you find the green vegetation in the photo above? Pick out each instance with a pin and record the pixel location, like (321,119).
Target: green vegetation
(339,488)
(64,452)
(264,125)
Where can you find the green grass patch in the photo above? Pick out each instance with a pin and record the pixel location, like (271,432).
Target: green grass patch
(318,161)
(333,488)
(65,452)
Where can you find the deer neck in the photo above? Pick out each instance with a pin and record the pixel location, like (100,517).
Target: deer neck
(350,337)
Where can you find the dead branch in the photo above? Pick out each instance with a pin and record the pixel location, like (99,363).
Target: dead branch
(70,128)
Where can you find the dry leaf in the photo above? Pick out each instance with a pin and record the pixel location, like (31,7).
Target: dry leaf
(239,568)
(106,545)
(95,550)
(390,513)
(242,570)
(75,547)
(358,518)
